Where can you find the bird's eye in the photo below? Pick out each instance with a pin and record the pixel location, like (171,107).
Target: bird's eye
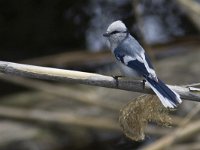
(114,32)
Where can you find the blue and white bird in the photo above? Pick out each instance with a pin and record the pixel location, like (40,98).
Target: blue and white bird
(134,62)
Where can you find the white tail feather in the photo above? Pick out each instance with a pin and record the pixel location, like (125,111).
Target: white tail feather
(165,101)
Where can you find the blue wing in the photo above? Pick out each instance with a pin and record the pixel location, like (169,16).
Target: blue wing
(131,63)
(140,61)
(139,67)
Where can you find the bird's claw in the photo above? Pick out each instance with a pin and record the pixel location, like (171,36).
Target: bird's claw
(116,79)
(143,84)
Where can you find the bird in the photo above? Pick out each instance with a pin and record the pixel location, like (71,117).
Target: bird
(135,62)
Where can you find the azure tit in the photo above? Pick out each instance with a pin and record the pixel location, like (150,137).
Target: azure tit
(134,62)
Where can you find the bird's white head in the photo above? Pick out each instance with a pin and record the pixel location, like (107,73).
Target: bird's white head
(116,33)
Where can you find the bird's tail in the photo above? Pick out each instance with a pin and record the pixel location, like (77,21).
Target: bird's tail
(168,97)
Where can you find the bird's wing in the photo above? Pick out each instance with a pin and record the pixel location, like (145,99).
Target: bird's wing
(131,62)
(140,63)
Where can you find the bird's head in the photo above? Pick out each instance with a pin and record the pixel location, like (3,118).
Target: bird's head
(116,32)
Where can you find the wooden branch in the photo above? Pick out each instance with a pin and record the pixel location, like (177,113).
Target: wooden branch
(178,135)
(193,85)
(61,118)
(186,146)
(43,117)
(186,130)
(61,91)
(70,58)
(192,10)
(89,79)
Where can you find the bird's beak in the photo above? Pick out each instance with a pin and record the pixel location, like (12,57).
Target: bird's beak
(106,34)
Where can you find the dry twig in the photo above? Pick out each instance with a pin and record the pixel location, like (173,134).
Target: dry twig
(42,117)
(70,58)
(65,92)
(62,118)
(179,135)
(185,131)
(192,9)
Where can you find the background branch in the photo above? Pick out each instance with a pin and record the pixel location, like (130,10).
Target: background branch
(176,136)
(61,91)
(187,129)
(43,117)
(87,78)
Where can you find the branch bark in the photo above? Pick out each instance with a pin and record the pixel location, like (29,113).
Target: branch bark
(47,73)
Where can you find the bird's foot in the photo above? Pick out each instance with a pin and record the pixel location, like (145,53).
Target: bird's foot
(143,84)
(116,79)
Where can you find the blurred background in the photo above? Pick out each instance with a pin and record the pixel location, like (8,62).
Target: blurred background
(67,34)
